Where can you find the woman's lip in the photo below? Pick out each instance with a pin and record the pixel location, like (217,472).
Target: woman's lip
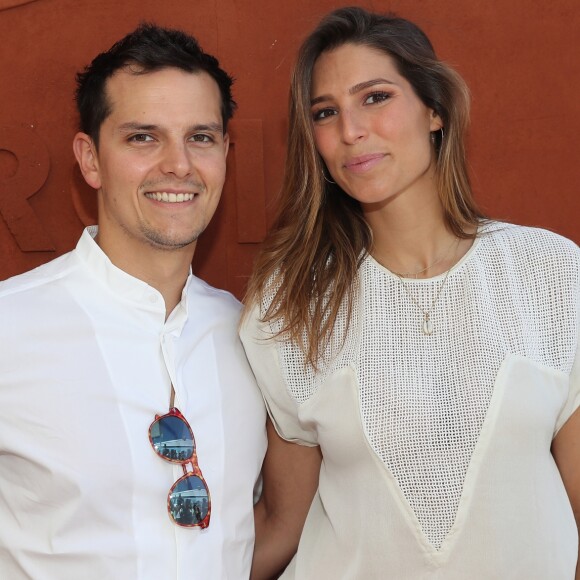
(363,162)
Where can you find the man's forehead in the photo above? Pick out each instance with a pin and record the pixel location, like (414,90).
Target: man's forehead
(164,93)
(164,77)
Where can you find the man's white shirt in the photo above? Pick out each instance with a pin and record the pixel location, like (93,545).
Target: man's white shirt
(86,362)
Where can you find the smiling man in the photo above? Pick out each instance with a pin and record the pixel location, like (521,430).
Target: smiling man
(131,430)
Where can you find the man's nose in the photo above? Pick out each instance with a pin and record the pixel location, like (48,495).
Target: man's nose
(177,160)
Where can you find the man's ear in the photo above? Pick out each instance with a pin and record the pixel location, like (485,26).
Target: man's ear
(226,143)
(86,154)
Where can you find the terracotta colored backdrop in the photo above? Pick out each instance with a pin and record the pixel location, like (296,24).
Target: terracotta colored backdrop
(520,59)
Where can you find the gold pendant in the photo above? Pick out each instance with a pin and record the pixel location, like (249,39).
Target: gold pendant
(427,326)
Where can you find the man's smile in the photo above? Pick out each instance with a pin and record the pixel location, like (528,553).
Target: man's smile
(170,197)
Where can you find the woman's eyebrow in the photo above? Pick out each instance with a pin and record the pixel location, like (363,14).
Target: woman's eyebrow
(366,84)
(355,89)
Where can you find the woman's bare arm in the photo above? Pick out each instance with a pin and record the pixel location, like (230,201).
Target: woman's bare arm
(290,480)
(566,451)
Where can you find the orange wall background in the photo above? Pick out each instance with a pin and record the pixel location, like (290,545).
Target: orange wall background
(520,60)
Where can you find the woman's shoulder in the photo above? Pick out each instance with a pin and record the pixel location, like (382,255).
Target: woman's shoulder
(530,246)
(256,308)
(258,305)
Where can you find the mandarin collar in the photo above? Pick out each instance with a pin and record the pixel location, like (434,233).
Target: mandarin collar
(127,287)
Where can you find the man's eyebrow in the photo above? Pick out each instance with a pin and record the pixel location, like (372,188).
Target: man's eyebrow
(213,127)
(355,89)
(137,127)
(133,126)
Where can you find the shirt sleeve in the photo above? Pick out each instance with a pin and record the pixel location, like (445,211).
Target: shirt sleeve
(264,357)
(573,400)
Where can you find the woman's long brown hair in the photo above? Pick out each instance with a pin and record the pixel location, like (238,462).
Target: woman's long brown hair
(311,257)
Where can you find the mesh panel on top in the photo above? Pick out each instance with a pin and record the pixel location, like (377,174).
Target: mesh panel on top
(424,398)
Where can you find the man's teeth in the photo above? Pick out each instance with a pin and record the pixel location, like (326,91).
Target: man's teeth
(170,197)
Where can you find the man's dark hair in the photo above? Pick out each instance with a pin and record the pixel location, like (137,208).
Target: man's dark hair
(147,49)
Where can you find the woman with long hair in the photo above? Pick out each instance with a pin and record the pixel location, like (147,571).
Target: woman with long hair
(419,361)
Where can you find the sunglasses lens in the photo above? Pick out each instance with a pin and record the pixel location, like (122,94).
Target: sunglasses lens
(189,501)
(172,438)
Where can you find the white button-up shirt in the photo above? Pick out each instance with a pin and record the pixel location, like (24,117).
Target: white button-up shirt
(86,362)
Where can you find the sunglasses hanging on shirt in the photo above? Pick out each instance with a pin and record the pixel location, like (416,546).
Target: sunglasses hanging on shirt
(188,502)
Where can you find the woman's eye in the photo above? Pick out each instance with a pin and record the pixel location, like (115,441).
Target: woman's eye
(140,138)
(323,114)
(377,97)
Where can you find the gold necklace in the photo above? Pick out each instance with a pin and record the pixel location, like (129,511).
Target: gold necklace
(427,326)
(432,265)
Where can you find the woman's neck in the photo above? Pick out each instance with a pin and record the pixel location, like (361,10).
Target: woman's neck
(412,239)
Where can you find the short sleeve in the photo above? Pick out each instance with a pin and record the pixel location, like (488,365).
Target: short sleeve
(573,399)
(264,358)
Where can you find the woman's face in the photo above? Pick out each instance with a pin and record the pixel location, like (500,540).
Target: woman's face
(370,128)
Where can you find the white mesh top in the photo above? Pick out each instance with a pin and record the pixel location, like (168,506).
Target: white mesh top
(436,448)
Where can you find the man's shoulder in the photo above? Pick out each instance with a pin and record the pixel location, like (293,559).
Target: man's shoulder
(212,310)
(37,278)
(204,293)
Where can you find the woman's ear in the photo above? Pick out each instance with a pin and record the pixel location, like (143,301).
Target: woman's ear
(86,155)
(436,122)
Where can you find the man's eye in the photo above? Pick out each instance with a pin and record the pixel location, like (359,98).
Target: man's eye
(203,138)
(140,138)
